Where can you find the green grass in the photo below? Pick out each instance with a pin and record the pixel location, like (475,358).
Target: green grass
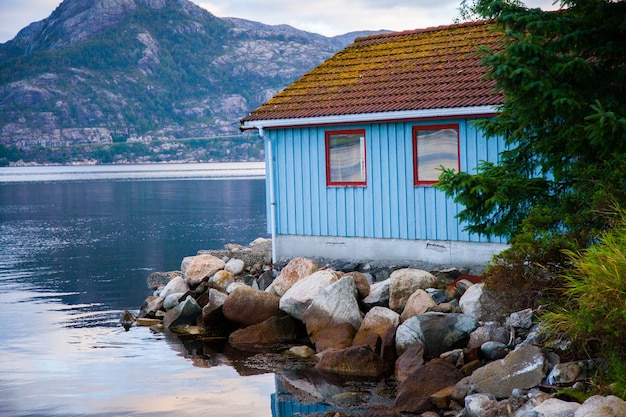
(592,313)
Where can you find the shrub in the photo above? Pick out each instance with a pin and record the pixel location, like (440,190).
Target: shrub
(528,273)
(592,313)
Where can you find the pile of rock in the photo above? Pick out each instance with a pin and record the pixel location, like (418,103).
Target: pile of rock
(448,343)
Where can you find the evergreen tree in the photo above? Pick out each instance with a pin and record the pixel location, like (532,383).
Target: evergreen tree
(563,74)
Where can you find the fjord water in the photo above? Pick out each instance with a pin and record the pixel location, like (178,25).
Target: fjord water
(76,246)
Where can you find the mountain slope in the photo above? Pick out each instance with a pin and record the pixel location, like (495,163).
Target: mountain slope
(102,71)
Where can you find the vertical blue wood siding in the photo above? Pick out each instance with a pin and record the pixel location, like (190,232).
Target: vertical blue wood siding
(390,206)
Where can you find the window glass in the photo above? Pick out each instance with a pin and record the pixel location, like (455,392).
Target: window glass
(434,147)
(345,158)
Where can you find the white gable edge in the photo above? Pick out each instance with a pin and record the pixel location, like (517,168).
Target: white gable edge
(371,117)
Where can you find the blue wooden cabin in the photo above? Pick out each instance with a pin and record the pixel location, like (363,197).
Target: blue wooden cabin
(354,146)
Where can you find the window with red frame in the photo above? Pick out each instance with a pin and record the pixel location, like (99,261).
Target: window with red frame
(345,158)
(433,147)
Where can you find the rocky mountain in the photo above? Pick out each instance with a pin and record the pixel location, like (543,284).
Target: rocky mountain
(104,71)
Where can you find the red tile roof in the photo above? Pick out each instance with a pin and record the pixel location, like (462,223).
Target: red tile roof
(434,68)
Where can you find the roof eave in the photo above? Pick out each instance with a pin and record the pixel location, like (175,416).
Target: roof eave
(370,117)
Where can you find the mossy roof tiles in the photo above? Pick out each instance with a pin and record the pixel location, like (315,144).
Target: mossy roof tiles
(434,68)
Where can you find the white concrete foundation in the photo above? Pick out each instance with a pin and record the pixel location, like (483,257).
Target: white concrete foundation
(442,252)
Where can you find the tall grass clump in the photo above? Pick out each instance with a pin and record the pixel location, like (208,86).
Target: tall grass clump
(592,313)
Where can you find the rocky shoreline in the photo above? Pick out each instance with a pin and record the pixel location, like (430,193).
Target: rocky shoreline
(429,342)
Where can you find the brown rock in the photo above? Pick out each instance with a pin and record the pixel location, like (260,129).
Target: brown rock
(418,303)
(444,308)
(523,368)
(294,271)
(196,269)
(355,361)
(148,322)
(455,356)
(461,390)
(373,341)
(488,332)
(599,406)
(338,336)
(189,330)
(388,348)
(414,393)
(377,410)
(470,367)
(362,285)
(301,351)
(451,292)
(472,354)
(127,320)
(150,306)
(441,398)
(273,331)
(248,306)
(409,362)
(203,298)
(377,321)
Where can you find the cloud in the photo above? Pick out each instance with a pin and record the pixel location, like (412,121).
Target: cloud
(17,14)
(333,17)
(327,17)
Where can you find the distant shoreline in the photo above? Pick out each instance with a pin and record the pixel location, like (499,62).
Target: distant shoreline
(143,171)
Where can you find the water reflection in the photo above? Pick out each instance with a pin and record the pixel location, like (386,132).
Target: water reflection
(50,369)
(75,254)
(300,390)
(73,257)
(97,241)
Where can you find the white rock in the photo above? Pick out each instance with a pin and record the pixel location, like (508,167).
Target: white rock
(233,286)
(299,296)
(405,282)
(553,407)
(336,304)
(438,332)
(221,280)
(172,300)
(470,301)
(379,294)
(598,406)
(234,266)
(476,405)
(520,319)
(176,285)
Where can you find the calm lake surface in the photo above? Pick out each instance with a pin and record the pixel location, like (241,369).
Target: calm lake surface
(76,247)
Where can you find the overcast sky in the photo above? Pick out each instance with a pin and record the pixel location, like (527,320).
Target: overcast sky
(327,17)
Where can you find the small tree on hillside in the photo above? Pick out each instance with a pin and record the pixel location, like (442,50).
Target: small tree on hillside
(564,119)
